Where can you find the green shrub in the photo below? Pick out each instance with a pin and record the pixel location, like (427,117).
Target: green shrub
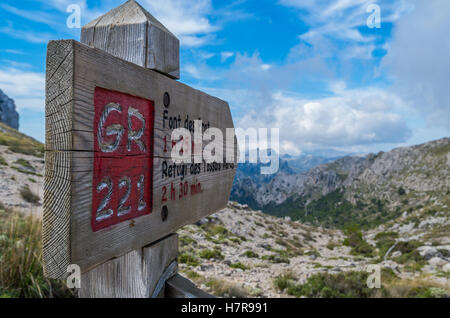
(410,257)
(3,161)
(283,281)
(215,230)
(342,285)
(211,254)
(428,292)
(251,254)
(193,275)
(332,245)
(384,241)
(383,235)
(334,211)
(187,241)
(188,259)
(24,163)
(276,258)
(355,240)
(408,247)
(239,265)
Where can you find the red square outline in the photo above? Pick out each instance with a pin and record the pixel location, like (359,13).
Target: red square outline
(122,163)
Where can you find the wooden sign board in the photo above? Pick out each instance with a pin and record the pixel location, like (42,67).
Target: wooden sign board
(110,183)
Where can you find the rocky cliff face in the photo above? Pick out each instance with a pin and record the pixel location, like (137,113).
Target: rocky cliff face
(378,186)
(8,113)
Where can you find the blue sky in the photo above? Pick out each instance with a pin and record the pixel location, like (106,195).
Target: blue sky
(314,69)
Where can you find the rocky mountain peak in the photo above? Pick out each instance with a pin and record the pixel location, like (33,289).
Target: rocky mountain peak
(8,113)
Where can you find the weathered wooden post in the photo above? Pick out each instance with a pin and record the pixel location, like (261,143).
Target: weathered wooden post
(113,196)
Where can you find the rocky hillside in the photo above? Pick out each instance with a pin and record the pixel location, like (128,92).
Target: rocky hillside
(248,253)
(244,253)
(8,113)
(366,190)
(21,171)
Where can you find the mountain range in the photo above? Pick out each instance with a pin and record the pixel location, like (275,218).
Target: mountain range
(367,190)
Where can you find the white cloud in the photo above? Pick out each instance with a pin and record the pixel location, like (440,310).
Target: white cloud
(418,60)
(26,88)
(36,16)
(224,56)
(189,20)
(350,118)
(27,35)
(192,70)
(62,5)
(12,51)
(201,72)
(341,20)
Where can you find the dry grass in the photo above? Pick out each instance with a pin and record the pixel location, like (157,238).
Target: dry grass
(418,288)
(353,284)
(21,272)
(222,288)
(219,287)
(20,143)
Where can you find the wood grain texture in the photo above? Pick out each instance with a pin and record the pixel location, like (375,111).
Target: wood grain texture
(180,287)
(57,185)
(133,34)
(133,275)
(94,68)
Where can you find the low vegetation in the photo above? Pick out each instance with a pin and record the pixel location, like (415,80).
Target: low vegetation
(21,272)
(354,285)
(410,257)
(20,143)
(239,265)
(211,254)
(356,241)
(3,161)
(24,163)
(251,254)
(219,287)
(385,240)
(334,211)
(188,259)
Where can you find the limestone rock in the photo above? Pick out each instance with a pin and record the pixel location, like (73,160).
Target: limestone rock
(8,113)
(428,252)
(437,261)
(446,268)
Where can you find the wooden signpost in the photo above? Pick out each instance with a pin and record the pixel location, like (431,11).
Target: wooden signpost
(113,195)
